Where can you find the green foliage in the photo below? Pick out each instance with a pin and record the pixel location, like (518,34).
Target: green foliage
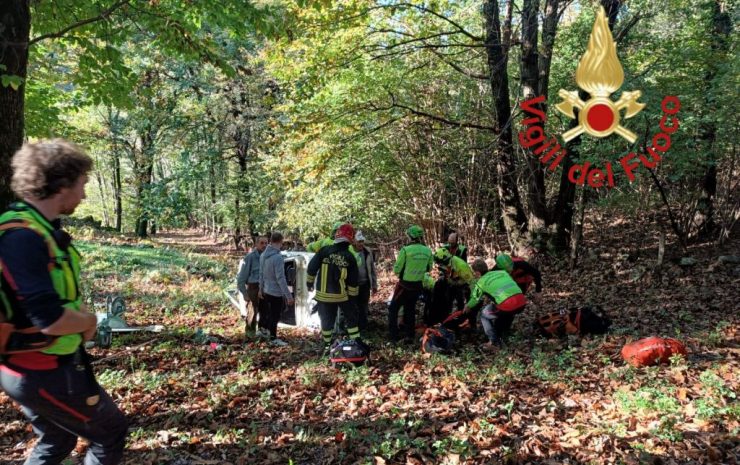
(253,116)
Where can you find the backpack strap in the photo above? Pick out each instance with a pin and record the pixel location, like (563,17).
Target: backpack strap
(25,224)
(573,322)
(8,331)
(554,324)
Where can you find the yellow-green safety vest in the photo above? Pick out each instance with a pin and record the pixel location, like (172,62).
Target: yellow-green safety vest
(64,269)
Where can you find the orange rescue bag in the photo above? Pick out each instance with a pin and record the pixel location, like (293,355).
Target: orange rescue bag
(652,351)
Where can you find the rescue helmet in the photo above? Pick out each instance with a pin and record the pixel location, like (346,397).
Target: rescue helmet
(442,256)
(345,231)
(335,228)
(415,232)
(504,262)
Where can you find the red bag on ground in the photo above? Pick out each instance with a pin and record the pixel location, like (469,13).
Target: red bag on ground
(652,351)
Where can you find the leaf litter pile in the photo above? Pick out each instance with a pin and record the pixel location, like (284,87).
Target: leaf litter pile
(210,398)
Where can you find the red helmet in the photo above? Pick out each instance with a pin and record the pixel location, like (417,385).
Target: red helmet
(346,231)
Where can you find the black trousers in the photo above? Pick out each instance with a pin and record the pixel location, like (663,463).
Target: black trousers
(270,310)
(406,298)
(436,305)
(55,402)
(363,305)
(458,297)
(328,316)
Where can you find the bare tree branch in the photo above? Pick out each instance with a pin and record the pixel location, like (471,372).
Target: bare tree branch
(440,16)
(440,119)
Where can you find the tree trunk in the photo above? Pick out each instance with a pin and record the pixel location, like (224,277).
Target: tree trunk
(549,31)
(562,215)
(103,197)
(117,189)
(537,214)
(15,27)
(704,226)
(242,149)
(242,137)
(575,242)
(212,189)
(144,181)
(511,206)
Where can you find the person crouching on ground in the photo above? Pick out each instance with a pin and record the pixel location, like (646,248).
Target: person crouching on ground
(501,299)
(39,293)
(274,292)
(523,273)
(336,288)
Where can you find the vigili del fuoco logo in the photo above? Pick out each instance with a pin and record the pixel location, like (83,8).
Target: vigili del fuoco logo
(599,73)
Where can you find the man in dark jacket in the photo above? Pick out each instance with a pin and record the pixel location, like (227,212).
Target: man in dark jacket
(39,294)
(248,284)
(274,291)
(336,287)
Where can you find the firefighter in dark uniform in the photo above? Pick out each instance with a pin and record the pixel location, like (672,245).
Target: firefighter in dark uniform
(44,366)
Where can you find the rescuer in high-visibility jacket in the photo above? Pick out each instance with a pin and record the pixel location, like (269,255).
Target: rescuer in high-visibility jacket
(43,366)
(499,299)
(413,262)
(453,285)
(523,273)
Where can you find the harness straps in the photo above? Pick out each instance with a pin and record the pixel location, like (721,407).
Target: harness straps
(13,340)
(25,224)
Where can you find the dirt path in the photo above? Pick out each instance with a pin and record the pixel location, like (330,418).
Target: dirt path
(193,240)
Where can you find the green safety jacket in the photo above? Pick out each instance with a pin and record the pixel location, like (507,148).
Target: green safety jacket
(413,261)
(428,282)
(459,272)
(497,285)
(64,269)
(315,246)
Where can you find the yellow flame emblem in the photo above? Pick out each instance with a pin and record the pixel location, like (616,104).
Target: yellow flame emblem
(600,74)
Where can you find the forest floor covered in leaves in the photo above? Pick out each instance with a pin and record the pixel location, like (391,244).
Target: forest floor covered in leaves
(537,401)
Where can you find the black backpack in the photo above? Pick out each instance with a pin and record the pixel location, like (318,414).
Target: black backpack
(349,351)
(438,340)
(577,321)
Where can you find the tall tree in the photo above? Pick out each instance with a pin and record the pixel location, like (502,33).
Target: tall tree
(511,205)
(531,73)
(703,224)
(95,27)
(15,27)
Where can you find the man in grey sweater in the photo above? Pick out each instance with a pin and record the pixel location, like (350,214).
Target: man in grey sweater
(273,290)
(367,279)
(248,283)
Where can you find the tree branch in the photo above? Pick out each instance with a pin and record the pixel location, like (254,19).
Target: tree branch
(626,28)
(458,68)
(440,16)
(440,119)
(103,15)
